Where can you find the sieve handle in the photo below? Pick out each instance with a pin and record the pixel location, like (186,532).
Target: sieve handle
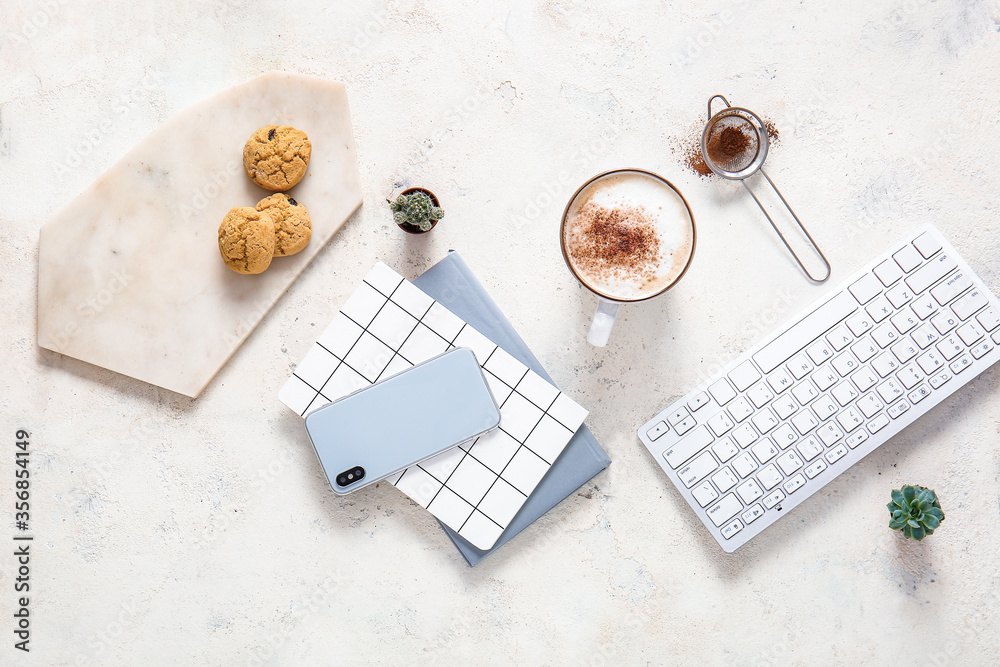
(712,99)
(782,236)
(604,319)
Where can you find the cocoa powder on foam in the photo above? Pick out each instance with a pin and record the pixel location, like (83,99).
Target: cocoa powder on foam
(619,244)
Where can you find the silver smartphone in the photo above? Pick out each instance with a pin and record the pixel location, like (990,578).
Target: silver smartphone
(379,430)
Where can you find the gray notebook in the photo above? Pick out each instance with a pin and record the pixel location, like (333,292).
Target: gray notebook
(451,282)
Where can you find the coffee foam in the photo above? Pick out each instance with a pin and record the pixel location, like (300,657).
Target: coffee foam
(643,202)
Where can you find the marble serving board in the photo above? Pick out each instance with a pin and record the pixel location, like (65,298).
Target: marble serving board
(129,273)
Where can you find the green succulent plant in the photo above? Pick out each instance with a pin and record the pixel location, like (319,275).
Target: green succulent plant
(915,510)
(416,209)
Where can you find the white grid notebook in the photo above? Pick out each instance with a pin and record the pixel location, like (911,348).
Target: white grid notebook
(387,326)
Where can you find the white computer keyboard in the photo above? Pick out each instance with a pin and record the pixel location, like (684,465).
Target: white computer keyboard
(821,392)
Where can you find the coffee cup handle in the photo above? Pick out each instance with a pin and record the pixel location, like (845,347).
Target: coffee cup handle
(604,319)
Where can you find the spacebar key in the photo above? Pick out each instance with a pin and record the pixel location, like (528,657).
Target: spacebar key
(808,329)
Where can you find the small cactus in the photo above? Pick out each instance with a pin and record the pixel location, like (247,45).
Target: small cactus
(416,209)
(915,510)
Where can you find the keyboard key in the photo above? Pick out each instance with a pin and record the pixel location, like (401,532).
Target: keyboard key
(824,407)
(678,415)
(698,402)
(905,320)
(760,395)
(925,335)
(765,450)
(885,364)
(879,309)
(724,480)
(659,429)
(885,335)
(779,380)
(840,338)
(888,272)
(940,379)
(815,468)
(809,448)
(773,499)
(930,361)
(909,376)
(845,392)
(744,435)
(924,306)
(927,244)
(769,477)
(825,377)
(721,423)
(957,283)
(850,419)
(784,406)
(704,494)
(846,363)
(899,295)
(789,462)
(794,484)
(698,469)
(749,491)
(836,453)
(722,391)
(688,446)
(950,347)
(860,322)
(864,379)
(856,439)
(820,352)
(908,258)
(989,318)
(896,411)
(744,375)
(996,337)
(805,392)
(784,436)
(804,332)
(800,366)
(829,433)
(960,364)
(870,405)
(732,528)
(686,425)
(740,409)
(970,333)
(919,394)
(724,510)
(889,391)
(725,449)
(752,514)
(980,350)
(945,321)
(877,424)
(905,349)
(866,289)
(744,464)
(865,350)
(764,420)
(931,272)
(805,421)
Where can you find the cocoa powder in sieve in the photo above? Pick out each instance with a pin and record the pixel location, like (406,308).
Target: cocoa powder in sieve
(695,161)
(724,146)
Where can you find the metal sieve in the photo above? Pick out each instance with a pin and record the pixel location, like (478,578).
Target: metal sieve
(734,146)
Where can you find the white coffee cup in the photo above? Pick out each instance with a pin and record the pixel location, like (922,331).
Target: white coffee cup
(627,235)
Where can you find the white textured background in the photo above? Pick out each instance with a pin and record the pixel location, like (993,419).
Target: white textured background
(172,531)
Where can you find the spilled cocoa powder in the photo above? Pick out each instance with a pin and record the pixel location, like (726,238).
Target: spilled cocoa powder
(614,244)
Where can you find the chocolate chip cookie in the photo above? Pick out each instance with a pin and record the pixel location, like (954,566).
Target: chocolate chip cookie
(276,157)
(246,239)
(292,225)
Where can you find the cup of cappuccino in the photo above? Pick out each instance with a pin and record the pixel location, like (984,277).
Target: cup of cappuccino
(627,235)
